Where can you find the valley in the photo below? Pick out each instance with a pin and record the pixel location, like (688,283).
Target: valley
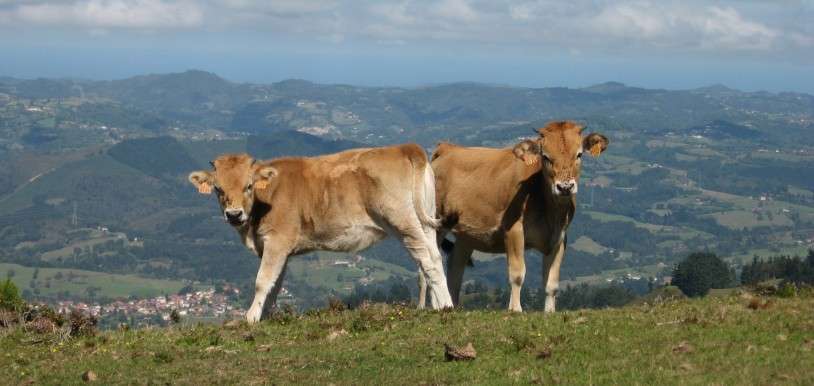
(95,174)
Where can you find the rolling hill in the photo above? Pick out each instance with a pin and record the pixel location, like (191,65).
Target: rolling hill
(712,340)
(705,169)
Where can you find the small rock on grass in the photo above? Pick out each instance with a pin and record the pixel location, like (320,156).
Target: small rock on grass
(682,348)
(336,334)
(89,376)
(452,353)
(545,353)
(758,304)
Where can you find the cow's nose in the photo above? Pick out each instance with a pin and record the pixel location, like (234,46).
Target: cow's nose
(565,187)
(233,214)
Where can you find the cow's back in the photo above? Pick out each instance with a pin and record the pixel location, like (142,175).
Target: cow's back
(338,194)
(476,186)
(368,172)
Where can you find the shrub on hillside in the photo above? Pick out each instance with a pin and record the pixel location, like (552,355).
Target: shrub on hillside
(792,269)
(702,271)
(593,296)
(10,299)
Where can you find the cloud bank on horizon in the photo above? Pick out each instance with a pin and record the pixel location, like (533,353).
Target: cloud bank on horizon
(715,27)
(777,31)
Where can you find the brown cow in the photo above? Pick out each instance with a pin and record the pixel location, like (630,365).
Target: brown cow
(508,200)
(339,202)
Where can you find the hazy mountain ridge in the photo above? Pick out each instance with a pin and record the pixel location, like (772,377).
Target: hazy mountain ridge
(710,168)
(200,100)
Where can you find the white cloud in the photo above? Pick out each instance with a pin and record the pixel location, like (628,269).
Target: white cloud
(726,28)
(396,13)
(632,21)
(456,10)
(280,7)
(610,26)
(521,11)
(683,26)
(112,14)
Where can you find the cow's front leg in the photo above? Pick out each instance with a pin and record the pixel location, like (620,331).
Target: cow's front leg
(422,290)
(271,299)
(551,276)
(515,245)
(268,276)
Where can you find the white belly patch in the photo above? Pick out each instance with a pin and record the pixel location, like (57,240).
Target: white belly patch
(353,239)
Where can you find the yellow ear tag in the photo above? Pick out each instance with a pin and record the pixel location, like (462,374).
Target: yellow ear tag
(530,160)
(596,149)
(204,188)
(261,184)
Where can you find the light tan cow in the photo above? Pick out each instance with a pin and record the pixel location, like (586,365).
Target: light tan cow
(508,200)
(340,202)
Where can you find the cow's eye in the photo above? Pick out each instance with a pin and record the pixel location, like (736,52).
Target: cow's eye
(218,190)
(546,159)
(579,155)
(249,187)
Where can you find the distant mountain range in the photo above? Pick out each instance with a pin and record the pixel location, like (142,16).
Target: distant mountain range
(202,100)
(710,168)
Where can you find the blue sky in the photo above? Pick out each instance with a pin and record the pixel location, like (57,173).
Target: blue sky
(750,45)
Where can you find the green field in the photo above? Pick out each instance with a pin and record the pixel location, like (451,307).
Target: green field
(681,233)
(716,340)
(587,245)
(737,219)
(323,272)
(53,281)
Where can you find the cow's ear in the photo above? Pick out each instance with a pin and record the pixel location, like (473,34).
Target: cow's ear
(202,180)
(528,151)
(595,144)
(263,175)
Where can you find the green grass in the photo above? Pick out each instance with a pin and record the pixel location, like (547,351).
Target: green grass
(737,219)
(679,232)
(54,184)
(323,272)
(800,191)
(112,285)
(601,277)
(587,245)
(716,340)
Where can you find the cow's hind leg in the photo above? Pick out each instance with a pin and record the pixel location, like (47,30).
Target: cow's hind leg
(268,277)
(410,232)
(422,281)
(458,260)
(551,276)
(422,290)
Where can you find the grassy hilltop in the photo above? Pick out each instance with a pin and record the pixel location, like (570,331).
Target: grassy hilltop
(730,339)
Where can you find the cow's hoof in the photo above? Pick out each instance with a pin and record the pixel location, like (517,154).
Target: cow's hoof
(253,316)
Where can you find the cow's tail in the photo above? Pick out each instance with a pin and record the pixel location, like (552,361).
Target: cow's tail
(448,247)
(424,196)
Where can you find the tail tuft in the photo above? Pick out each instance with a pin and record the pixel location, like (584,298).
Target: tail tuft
(447,246)
(424,196)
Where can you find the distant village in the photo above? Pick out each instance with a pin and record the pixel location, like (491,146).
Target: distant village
(197,304)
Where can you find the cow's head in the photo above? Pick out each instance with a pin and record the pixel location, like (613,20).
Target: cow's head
(560,148)
(234,179)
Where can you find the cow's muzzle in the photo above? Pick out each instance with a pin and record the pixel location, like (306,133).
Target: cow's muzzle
(565,188)
(235,217)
